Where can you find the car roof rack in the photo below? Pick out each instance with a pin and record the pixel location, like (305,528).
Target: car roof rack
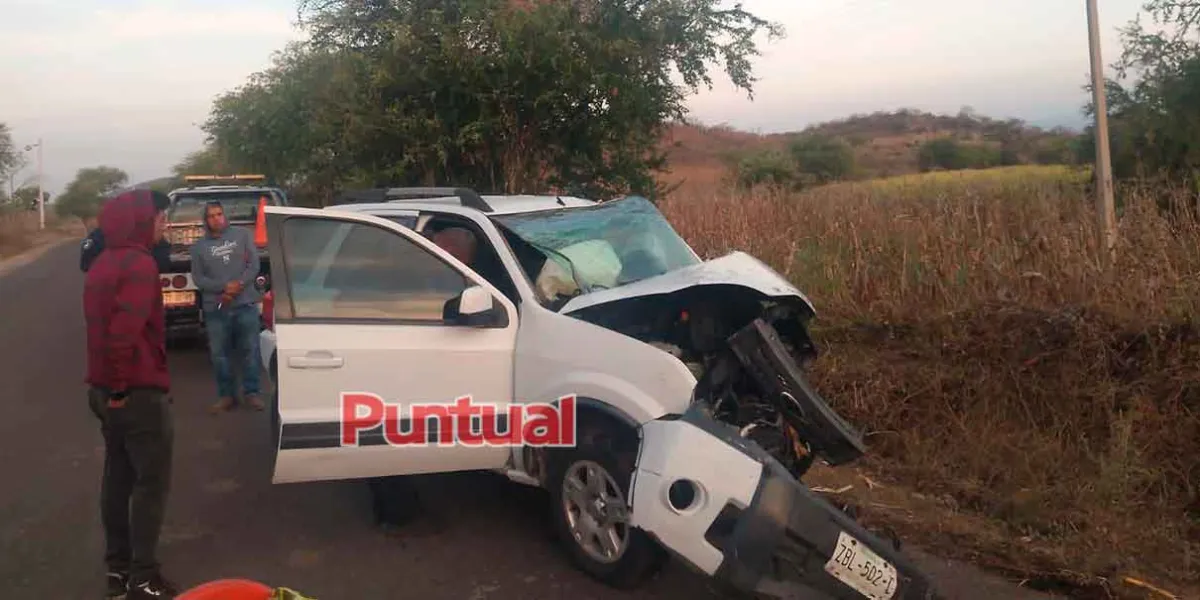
(467,197)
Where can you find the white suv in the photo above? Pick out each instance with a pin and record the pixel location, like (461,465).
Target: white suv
(694,419)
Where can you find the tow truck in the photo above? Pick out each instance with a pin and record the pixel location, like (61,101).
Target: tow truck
(243,197)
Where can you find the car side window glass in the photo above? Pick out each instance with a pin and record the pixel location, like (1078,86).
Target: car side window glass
(304,241)
(360,271)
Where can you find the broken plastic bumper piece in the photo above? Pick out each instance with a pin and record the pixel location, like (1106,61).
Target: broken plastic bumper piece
(732,511)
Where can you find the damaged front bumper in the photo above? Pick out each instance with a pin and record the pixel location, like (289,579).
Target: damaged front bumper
(732,511)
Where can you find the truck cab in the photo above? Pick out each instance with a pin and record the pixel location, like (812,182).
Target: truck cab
(242,197)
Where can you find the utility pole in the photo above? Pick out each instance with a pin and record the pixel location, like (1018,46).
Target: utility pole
(41,199)
(1103,169)
(41,192)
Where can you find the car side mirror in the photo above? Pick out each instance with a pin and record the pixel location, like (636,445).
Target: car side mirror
(475,307)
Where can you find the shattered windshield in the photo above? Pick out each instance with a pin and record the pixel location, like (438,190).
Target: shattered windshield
(612,244)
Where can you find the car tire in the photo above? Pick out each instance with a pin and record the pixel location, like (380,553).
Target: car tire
(641,556)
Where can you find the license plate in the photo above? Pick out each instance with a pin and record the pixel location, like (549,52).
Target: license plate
(854,564)
(187,298)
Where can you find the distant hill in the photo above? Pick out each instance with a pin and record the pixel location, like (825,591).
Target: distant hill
(884,143)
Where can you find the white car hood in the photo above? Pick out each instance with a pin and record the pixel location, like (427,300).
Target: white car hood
(736,268)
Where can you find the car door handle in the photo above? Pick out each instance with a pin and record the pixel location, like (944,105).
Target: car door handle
(316,360)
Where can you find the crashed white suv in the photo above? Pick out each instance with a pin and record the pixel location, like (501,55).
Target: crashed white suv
(694,419)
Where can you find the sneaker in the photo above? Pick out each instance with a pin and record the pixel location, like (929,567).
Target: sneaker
(222,405)
(118,585)
(255,401)
(155,588)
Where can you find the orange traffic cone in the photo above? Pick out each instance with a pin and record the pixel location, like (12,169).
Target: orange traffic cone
(260,224)
(228,589)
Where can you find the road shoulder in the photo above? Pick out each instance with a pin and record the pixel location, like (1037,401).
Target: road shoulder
(45,243)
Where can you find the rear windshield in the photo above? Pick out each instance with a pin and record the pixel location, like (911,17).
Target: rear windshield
(239,206)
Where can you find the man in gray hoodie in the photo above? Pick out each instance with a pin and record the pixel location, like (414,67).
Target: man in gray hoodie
(224,265)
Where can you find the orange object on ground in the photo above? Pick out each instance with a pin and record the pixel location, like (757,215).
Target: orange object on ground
(260,224)
(228,589)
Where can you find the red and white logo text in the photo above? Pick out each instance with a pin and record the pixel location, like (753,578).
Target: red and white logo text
(461,423)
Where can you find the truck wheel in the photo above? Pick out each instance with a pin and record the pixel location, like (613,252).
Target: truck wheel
(589,488)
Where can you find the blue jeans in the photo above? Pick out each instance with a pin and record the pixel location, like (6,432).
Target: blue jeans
(234,328)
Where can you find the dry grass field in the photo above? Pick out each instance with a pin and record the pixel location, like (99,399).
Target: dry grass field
(1029,405)
(19,231)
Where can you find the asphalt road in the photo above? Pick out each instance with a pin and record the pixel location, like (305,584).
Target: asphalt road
(225,519)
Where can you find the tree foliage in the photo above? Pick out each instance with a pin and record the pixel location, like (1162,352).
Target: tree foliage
(1154,124)
(91,186)
(949,154)
(26,198)
(499,95)
(809,159)
(769,167)
(822,159)
(11,159)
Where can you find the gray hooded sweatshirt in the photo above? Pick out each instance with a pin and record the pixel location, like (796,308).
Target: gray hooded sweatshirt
(218,259)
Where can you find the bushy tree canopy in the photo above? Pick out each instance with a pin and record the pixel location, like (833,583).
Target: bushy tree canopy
(85,193)
(499,95)
(1154,122)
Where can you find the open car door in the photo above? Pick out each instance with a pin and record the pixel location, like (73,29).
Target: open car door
(367,308)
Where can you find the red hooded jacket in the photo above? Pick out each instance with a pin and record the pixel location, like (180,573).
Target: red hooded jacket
(122,300)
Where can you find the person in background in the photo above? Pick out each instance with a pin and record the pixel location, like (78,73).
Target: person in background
(459,242)
(224,265)
(93,244)
(128,391)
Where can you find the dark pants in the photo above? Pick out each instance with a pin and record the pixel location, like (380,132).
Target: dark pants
(138,442)
(234,328)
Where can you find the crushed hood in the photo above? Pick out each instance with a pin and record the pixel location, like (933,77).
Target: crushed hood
(736,268)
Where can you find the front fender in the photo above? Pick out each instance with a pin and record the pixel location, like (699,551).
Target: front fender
(753,526)
(617,393)
(559,356)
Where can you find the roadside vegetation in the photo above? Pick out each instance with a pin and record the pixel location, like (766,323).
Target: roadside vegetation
(19,229)
(1045,405)
(1030,404)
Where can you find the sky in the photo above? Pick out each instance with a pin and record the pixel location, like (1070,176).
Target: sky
(126,83)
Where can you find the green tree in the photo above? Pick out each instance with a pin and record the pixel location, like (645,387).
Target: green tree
(1154,128)
(91,186)
(11,158)
(766,167)
(822,159)
(942,153)
(1056,151)
(26,198)
(209,160)
(947,153)
(499,95)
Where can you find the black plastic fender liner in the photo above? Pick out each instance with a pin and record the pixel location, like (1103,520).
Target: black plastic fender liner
(762,353)
(788,532)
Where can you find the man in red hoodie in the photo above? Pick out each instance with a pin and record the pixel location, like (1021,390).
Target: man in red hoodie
(129,387)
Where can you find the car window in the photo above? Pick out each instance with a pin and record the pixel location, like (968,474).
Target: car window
(342,270)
